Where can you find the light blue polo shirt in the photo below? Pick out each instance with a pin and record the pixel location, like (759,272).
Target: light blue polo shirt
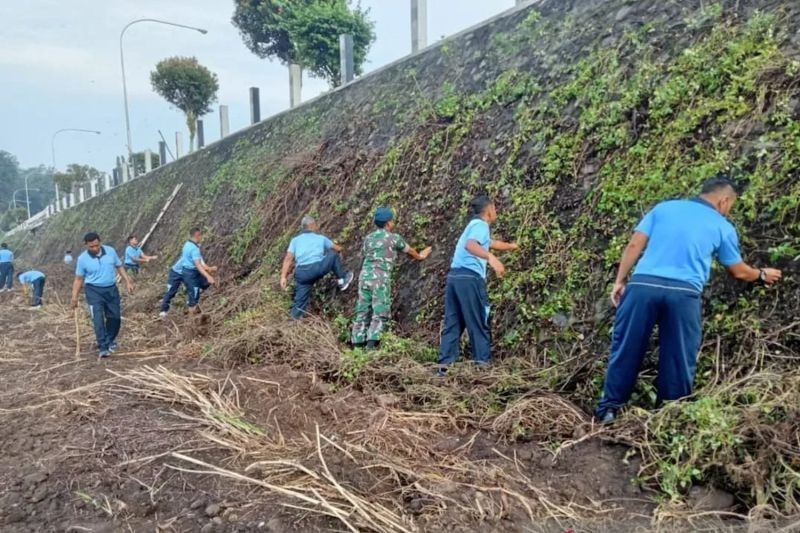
(684,236)
(131,254)
(190,253)
(6,256)
(30,276)
(477,230)
(309,247)
(99,271)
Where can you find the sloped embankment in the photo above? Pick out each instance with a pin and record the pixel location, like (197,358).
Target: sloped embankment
(577,116)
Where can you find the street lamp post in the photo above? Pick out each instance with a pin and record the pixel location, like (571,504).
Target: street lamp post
(14,199)
(53,151)
(122,65)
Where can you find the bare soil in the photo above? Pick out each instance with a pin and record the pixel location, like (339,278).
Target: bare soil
(82,451)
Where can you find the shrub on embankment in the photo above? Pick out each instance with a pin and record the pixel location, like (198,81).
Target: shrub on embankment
(577,116)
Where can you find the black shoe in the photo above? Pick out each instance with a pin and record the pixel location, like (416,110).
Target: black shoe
(359,345)
(373,345)
(609,417)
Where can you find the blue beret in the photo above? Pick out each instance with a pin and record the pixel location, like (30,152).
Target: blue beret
(383,214)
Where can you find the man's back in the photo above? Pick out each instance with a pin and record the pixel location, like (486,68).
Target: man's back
(684,236)
(309,247)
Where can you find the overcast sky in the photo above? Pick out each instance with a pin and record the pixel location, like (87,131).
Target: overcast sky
(59,68)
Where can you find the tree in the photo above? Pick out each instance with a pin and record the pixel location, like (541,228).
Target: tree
(12,218)
(262,24)
(75,175)
(305,32)
(189,86)
(9,178)
(138,161)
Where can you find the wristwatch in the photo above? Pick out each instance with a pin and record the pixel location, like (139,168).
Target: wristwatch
(762,275)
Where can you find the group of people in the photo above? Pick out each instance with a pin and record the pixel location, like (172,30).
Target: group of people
(32,281)
(670,253)
(99,267)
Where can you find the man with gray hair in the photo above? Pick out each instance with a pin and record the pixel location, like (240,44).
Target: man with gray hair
(314,257)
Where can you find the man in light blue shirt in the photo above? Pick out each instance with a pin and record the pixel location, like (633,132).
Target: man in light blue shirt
(466,300)
(35,280)
(97,270)
(315,256)
(134,256)
(6,268)
(679,239)
(191,270)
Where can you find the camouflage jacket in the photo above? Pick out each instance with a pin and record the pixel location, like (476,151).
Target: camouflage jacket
(380,253)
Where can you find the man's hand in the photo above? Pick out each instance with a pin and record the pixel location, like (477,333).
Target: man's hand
(284,283)
(213,269)
(771,275)
(131,287)
(211,279)
(513,246)
(74,302)
(497,266)
(425,253)
(617,292)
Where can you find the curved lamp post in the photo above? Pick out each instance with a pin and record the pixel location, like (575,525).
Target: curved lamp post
(122,65)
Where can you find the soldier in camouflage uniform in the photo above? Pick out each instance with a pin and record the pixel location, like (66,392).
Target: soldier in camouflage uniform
(374,308)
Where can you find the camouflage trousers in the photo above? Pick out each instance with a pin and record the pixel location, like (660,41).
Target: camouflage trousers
(373,311)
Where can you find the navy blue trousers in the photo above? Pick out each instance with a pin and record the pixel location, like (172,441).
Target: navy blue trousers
(305,276)
(133,269)
(37,292)
(195,283)
(466,306)
(6,275)
(174,282)
(104,305)
(676,307)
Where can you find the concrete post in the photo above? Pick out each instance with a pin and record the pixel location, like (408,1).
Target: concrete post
(81,195)
(71,199)
(107,180)
(148,160)
(419,25)
(126,174)
(346,58)
(201,137)
(224,123)
(92,188)
(118,172)
(255,106)
(162,152)
(178,144)
(295,84)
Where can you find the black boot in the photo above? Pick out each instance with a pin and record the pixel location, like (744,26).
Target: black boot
(373,345)
(359,344)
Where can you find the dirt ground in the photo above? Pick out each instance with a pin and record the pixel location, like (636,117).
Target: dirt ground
(156,437)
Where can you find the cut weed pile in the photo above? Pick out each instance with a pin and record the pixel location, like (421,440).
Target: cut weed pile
(743,435)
